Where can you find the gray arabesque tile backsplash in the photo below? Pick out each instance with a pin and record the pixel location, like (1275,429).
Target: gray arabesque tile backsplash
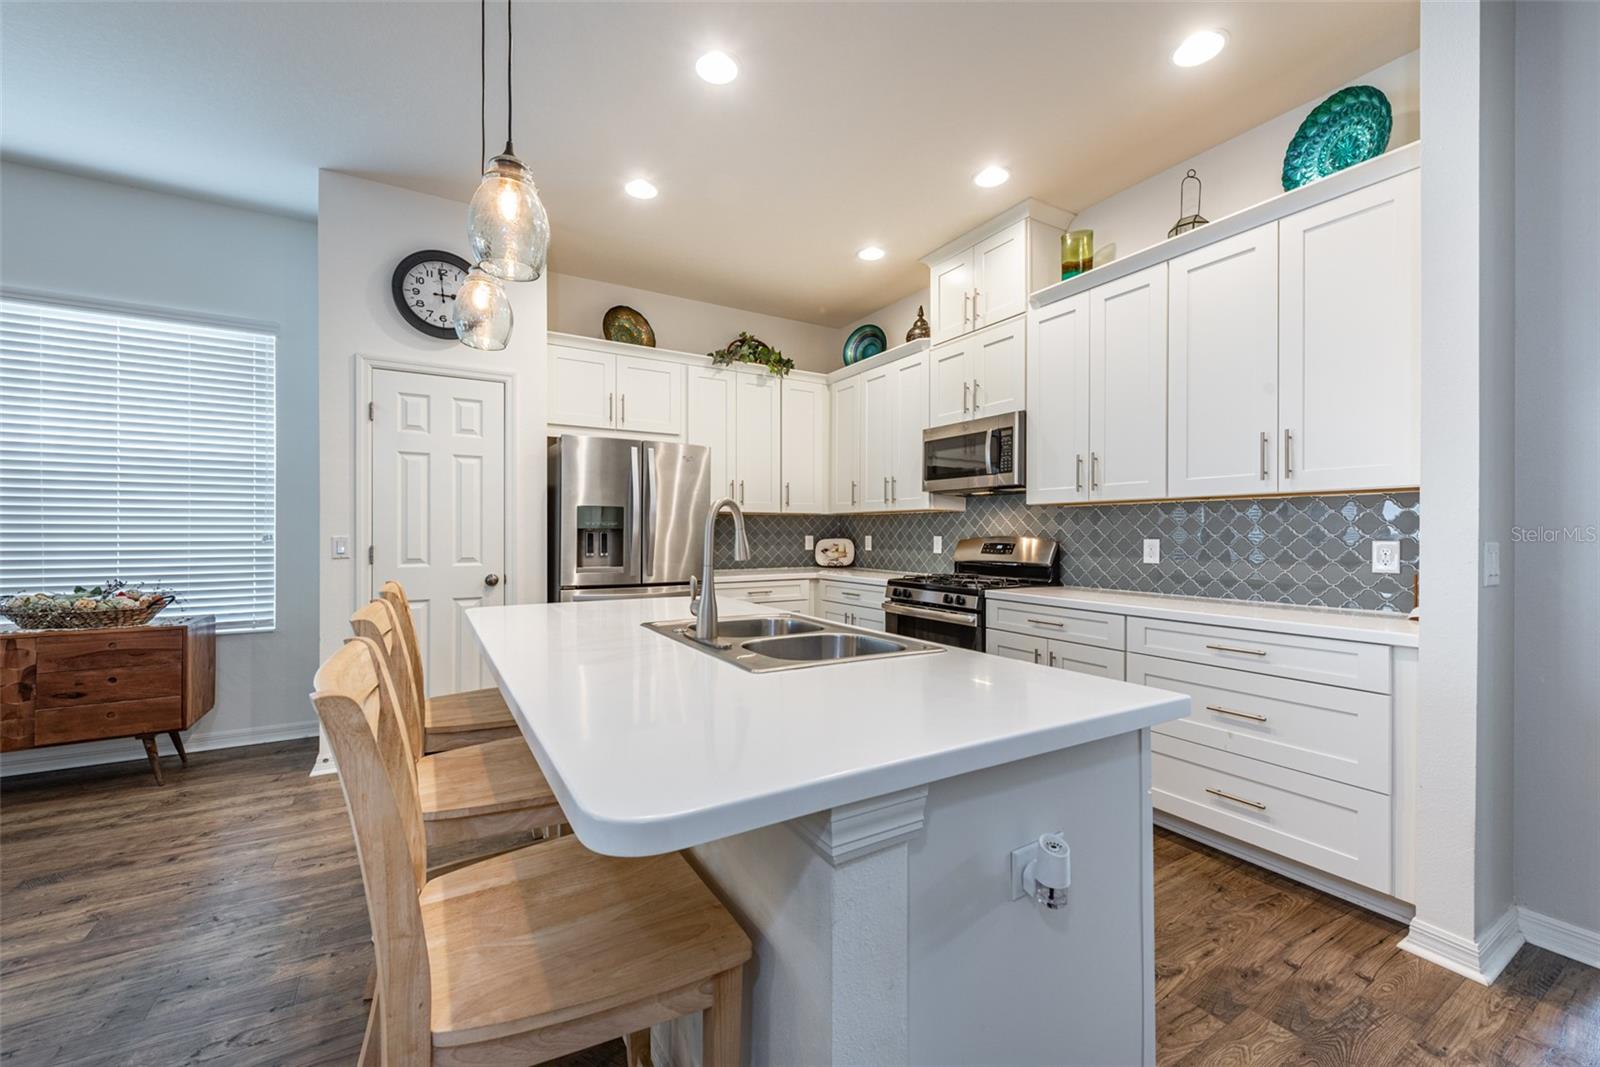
(1292,550)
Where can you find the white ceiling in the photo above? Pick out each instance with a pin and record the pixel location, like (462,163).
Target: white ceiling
(849,124)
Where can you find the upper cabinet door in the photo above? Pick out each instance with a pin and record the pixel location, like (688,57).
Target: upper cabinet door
(805,446)
(1058,420)
(1000,275)
(1349,341)
(950,297)
(649,395)
(1222,367)
(950,371)
(878,437)
(758,452)
(911,418)
(1128,379)
(710,421)
(999,368)
(845,476)
(583,387)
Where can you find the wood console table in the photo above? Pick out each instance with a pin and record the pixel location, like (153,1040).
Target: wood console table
(58,687)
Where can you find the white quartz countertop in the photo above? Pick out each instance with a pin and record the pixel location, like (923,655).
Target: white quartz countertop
(860,575)
(1374,627)
(652,746)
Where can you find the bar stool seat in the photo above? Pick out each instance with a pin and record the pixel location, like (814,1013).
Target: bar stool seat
(468,718)
(479,780)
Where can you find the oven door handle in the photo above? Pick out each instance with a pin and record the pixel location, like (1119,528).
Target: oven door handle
(894,607)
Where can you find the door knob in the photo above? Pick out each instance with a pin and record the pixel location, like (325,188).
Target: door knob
(491,580)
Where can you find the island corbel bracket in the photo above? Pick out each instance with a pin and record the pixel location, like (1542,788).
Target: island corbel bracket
(852,831)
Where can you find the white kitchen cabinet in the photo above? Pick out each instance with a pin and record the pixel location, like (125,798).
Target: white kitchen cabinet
(880,413)
(911,418)
(1222,367)
(982,374)
(757,449)
(1000,276)
(805,446)
(950,296)
(1058,419)
(1349,341)
(1128,387)
(711,420)
(607,391)
(844,462)
(985,276)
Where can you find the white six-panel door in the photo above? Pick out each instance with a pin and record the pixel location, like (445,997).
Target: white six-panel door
(845,479)
(710,421)
(1222,367)
(805,446)
(1058,418)
(438,510)
(1128,387)
(1349,349)
(758,452)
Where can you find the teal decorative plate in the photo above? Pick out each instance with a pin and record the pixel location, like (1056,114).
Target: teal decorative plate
(864,342)
(1350,127)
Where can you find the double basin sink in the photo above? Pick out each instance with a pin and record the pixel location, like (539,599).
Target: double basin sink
(764,643)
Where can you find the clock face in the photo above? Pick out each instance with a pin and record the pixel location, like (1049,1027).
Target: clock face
(425,286)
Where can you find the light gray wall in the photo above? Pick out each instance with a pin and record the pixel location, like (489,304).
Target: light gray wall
(1557,279)
(77,237)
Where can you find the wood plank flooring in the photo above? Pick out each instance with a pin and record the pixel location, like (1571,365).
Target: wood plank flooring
(220,920)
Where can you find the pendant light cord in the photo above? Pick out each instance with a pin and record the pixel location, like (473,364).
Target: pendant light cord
(508,78)
(483,81)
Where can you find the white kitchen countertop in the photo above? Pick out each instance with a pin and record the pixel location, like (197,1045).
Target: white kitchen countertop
(652,746)
(861,575)
(1380,628)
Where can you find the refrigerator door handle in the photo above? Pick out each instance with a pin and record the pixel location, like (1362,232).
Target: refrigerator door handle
(636,519)
(649,527)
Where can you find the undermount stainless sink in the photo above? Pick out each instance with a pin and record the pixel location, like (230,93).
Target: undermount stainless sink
(764,643)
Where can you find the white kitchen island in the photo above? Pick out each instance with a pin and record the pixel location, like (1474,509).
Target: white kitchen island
(858,819)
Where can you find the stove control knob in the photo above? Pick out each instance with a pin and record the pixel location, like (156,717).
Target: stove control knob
(948,599)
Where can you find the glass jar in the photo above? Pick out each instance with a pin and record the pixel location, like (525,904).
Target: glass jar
(1077,252)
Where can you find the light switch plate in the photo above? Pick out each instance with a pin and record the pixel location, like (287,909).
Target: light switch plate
(866,543)
(811,542)
(1152,550)
(1491,563)
(938,543)
(340,547)
(1386,557)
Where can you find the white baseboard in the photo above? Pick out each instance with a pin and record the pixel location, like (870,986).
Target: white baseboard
(1562,938)
(1481,960)
(1374,901)
(96,753)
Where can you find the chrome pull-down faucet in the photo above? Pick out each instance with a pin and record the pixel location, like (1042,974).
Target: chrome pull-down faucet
(703,595)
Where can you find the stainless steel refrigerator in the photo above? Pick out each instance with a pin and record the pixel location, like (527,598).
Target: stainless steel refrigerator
(627,518)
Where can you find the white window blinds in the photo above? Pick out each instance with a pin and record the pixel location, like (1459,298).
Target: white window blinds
(137,448)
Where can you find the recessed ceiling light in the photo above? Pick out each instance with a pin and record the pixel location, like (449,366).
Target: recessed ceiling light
(870,253)
(989,177)
(1200,47)
(718,68)
(640,189)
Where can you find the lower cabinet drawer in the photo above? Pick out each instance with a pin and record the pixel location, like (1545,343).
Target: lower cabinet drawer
(124,718)
(108,685)
(1331,826)
(1061,624)
(1352,664)
(765,592)
(1342,734)
(848,595)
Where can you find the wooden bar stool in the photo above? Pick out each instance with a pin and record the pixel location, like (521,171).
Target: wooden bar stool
(466,793)
(527,956)
(456,719)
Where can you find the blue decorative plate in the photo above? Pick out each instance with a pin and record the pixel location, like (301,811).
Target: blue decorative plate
(1350,127)
(864,342)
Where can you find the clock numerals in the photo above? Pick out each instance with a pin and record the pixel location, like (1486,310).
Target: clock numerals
(425,286)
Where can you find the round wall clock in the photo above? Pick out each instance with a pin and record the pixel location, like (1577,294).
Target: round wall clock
(425,287)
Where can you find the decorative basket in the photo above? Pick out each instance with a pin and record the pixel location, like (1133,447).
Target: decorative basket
(52,617)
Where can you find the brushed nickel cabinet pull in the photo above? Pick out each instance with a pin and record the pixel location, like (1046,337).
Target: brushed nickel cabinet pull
(846,592)
(1047,622)
(1288,453)
(852,494)
(1237,800)
(785,494)
(1094,470)
(741,491)
(624,409)
(894,489)
(611,407)
(1079,487)
(886,490)
(974,396)
(1052,657)
(1240,651)
(966,404)
(974,310)
(1220,710)
(1036,655)
(966,315)
(1263,455)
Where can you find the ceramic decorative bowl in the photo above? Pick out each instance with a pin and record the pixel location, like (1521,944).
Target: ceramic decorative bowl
(1350,127)
(864,342)
(624,324)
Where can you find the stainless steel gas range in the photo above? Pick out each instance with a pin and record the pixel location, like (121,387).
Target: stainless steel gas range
(948,608)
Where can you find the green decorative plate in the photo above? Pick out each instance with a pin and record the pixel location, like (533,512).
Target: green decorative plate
(864,342)
(1350,127)
(624,324)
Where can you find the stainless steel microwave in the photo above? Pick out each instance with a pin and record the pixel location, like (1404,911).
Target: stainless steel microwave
(980,456)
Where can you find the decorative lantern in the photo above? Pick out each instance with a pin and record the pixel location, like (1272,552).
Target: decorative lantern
(1188,222)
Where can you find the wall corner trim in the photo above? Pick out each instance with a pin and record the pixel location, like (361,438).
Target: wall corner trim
(1481,960)
(1560,937)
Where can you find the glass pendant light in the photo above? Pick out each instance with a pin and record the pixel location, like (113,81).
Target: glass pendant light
(506,224)
(482,315)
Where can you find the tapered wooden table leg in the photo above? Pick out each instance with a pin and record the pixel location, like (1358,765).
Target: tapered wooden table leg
(177,743)
(153,755)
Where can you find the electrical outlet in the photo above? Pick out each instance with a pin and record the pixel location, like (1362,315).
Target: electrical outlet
(811,542)
(340,548)
(1491,563)
(938,543)
(1152,550)
(866,543)
(1386,557)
